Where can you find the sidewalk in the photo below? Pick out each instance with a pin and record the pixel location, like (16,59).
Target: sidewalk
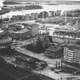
(56,76)
(51,63)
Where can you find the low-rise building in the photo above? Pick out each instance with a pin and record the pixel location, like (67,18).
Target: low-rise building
(5,40)
(66,35)
(72,53)
(21,34)
(23,31)
(54,52)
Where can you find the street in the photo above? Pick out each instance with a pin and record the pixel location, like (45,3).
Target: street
(51,64)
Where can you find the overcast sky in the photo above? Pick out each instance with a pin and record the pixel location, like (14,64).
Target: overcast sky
(44,0)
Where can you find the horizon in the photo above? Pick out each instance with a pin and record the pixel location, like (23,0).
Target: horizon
(57,2)
(40,0)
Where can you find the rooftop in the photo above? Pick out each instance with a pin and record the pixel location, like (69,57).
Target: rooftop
(21,31)
(73,46)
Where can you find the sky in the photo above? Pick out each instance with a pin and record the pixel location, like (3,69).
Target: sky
(47,7)
(44,0)
(1,3)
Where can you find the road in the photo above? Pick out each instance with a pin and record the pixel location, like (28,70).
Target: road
(51,63)
(9,72)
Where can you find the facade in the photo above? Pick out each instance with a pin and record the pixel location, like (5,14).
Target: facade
(21,35)
(66,36)
(34,29)
(54,52)
(72,53)
(72,13)
(42,30)
(51,13)
(5,40)
(32,15)
(23,31)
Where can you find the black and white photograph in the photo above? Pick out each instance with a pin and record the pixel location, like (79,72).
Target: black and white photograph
(39,40)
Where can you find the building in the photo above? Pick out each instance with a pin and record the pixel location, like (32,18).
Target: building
(66,35)
(35,29)
(54,52)
(47,28)
(23,31)
(61,34)
(51,13)
(5,40)
(72,13)
(21,34)
(42,29)
(72,53)
(17,18)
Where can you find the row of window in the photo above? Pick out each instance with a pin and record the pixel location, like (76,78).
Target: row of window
(72,36)
(7,40)
(71,56)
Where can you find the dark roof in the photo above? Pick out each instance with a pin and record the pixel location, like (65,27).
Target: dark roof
(68,31)
(54,48)
(20,31)
(73,46)
(3,11)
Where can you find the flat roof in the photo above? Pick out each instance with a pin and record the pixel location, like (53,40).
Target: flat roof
(21,31)
(73,46)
